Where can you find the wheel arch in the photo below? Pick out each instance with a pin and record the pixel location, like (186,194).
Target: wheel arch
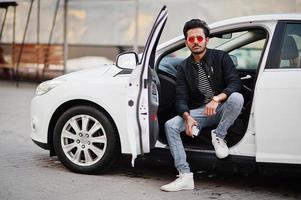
(69,104)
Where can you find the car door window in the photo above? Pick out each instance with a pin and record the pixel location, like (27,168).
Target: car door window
(291,47)
(244,47)
(248,56)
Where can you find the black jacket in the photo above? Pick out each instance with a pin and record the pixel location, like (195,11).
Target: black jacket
(221,72)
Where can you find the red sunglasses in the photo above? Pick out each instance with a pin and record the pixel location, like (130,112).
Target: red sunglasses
(191,39)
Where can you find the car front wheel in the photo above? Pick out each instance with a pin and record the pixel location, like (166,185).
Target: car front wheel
(85,140)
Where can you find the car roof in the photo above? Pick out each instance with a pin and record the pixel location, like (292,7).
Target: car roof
(257,18)
(239,20)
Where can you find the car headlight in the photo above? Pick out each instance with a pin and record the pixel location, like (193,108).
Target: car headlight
(46,86)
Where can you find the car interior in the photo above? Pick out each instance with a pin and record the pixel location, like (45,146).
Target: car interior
(289,53)
(246,48)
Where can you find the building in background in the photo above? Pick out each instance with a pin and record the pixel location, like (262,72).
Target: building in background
(97,30)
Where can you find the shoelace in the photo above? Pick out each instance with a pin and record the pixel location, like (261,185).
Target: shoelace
(220,139)
(179,176)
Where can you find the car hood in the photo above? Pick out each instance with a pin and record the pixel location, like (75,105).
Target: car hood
(99,73)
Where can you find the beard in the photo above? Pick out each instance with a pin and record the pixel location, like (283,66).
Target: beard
(197,51)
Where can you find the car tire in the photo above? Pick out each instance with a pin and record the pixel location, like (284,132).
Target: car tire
(86,141)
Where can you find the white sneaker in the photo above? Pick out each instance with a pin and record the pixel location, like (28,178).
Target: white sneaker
(183,182)
(220,146)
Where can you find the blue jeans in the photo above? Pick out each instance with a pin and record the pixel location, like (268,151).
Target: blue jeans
(226,113)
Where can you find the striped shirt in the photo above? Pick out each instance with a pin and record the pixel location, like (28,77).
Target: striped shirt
(204,84)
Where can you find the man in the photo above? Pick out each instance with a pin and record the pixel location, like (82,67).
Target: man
(206,95)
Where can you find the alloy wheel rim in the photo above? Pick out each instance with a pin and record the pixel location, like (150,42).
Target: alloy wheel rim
(83,140)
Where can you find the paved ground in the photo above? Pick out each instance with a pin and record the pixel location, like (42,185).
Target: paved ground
(28,173)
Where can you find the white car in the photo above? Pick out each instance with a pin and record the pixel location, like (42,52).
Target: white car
(89,118)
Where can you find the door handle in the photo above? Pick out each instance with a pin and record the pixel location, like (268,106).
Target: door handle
(246,77)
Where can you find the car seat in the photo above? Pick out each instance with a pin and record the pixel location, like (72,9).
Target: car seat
(290,53)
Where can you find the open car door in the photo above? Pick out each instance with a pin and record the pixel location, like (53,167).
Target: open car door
(143,96)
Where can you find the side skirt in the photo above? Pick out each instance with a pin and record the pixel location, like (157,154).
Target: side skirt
(207,160)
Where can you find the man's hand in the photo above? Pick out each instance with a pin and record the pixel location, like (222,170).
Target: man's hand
(210,108)
(189,122)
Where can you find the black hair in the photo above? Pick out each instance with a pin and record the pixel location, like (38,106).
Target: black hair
(196,23)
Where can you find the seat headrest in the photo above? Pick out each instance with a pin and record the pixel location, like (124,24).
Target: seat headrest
(289,49)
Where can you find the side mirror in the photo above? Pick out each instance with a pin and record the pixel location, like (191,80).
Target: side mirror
(234,59)
(128,60)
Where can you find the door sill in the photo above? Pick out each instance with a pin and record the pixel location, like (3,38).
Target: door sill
(160,145)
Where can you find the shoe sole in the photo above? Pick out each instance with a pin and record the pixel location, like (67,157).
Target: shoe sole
(177,190)
(222,157)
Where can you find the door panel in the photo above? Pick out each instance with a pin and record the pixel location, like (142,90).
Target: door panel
(277,116)
(153,94)
(278,99)
(143,96)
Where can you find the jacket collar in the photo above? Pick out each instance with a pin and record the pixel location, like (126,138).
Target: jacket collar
(204,59)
